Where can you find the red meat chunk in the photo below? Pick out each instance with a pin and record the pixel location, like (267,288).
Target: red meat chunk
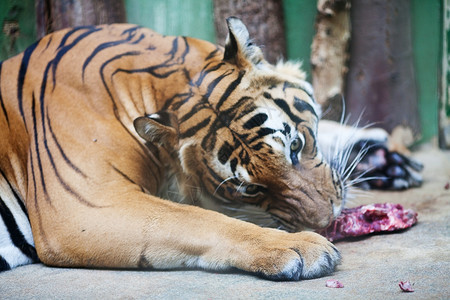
(333,283)
(367,219)
(405,286)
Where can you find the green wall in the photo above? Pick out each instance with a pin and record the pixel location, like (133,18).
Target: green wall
(173,17)
(17,16)
(427,41)
(299,17)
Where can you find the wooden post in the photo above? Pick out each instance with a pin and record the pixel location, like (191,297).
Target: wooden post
(329,55)
(381,83)
(57,14)
(264,20)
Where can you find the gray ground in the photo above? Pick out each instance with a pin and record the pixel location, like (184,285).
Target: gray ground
(371,267)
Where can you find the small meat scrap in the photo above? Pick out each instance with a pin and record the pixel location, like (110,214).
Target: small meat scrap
(368,219)
(447,185)
(333,283)
(405,286)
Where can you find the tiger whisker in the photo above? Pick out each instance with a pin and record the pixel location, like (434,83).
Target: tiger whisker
(224,181)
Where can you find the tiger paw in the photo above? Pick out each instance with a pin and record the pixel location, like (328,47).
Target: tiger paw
(294,256)
(380,168)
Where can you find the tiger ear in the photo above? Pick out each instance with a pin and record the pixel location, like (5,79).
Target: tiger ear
(239,49)
(161,128)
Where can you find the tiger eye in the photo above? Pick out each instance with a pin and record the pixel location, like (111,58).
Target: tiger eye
(251,189)
(296,144)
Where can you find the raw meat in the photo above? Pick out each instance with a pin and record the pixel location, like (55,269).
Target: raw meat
(405,286)
(367,219)
(333,283)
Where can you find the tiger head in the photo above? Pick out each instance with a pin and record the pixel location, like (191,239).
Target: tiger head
(249,138)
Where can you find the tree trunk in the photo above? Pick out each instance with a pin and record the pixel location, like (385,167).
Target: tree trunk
(53,15)
(381,83)
(329,55)
(263,18)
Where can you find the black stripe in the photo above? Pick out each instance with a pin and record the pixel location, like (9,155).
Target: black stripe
(174,48)
(16,195)
(258,146)
(287,129)
(285,107)
(255,121)
(102,47)
(119,56)
(212,85)
(62,181)
(302,105)
(151,70)
(33,175)
(4,266)
(131,31)
(193,130)
(245,158)
(182,58)
(69,34)
(48,43)
(184,97)
(61,151)
(313,136)
(1,98)
(232,112)
(21,78)
(233,164)
(319,164)
(287,85)
(141,37)
(198,107)
(225,152)
(123,175)
(267,95)
(15,234)
(63,50)
(206,71)
(261,133)
(212,54)
(230,89)
(35,200)
(250,107)
(36,146)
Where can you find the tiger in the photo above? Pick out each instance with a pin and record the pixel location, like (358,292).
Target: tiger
(123,148)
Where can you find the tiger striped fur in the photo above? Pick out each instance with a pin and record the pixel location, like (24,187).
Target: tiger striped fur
(100,125)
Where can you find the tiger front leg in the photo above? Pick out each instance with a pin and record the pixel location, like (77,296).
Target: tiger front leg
(148,232)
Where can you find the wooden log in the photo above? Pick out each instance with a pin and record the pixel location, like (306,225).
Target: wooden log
(381,83)
(53,15)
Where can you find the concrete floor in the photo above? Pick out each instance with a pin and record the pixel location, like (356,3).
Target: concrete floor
(371,268)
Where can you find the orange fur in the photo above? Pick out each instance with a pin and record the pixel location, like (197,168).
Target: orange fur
(92,182)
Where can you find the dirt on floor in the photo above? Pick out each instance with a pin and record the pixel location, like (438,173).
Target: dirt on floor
(372,267)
